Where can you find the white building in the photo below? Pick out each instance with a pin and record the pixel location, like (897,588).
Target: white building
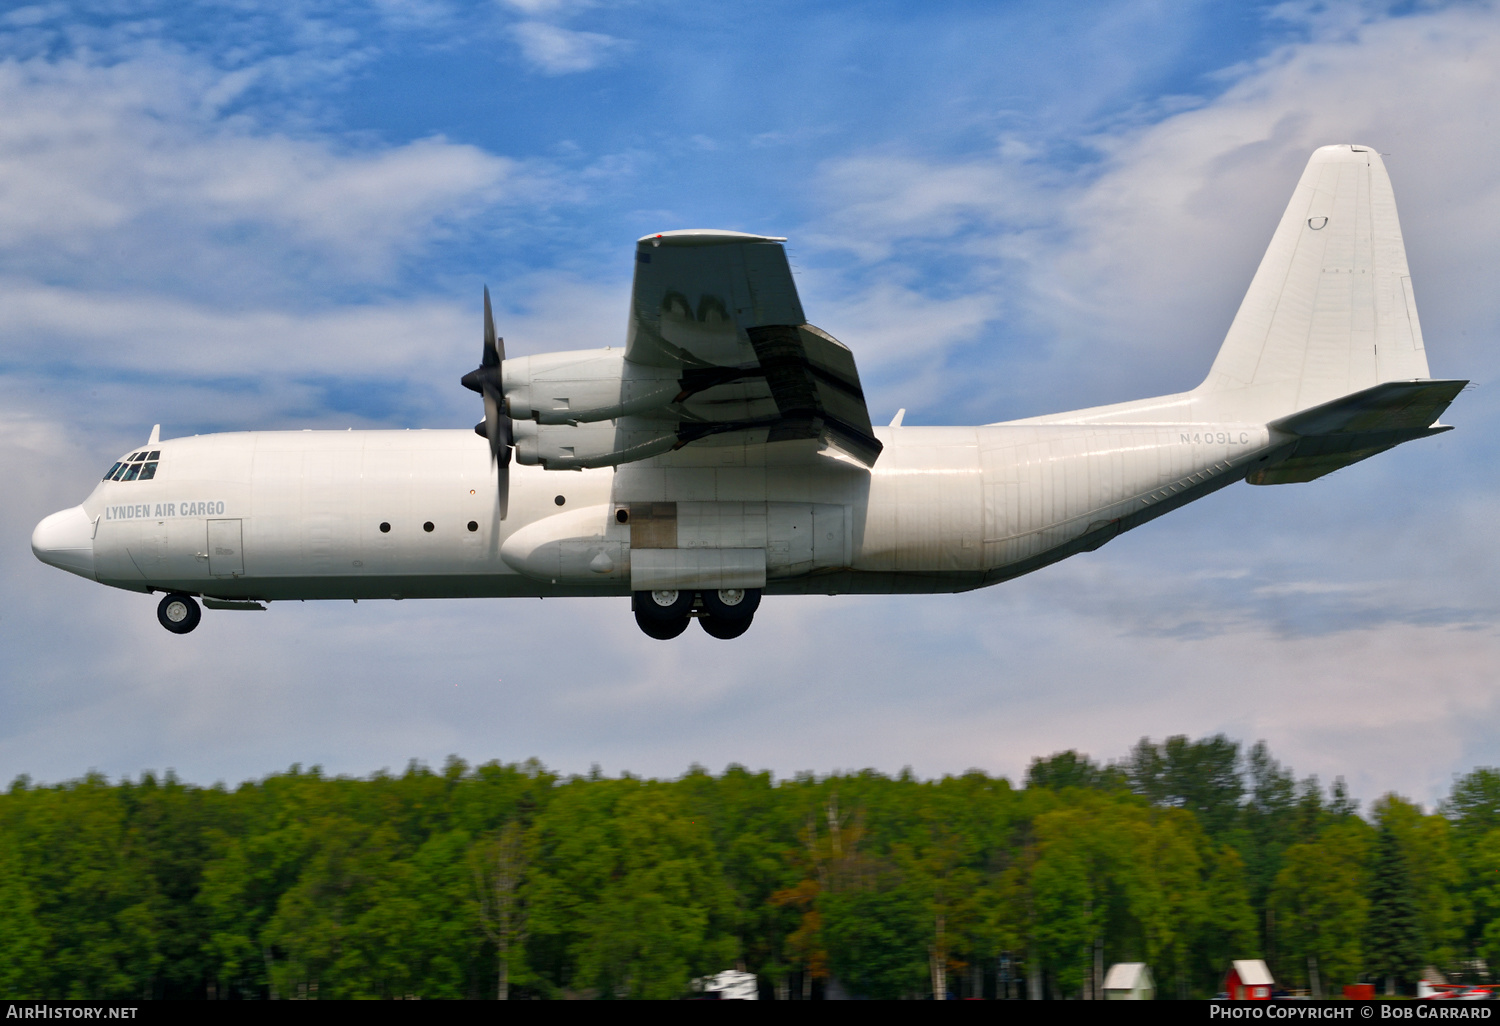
(730,985)
(1129,981)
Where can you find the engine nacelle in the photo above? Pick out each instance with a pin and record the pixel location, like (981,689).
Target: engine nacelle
(603,443)
(584,386)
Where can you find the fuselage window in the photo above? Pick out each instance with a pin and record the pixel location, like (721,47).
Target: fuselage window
(154,454)
(132,472)
(112,471)
(148,471)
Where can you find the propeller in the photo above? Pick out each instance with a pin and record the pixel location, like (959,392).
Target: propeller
(486,380)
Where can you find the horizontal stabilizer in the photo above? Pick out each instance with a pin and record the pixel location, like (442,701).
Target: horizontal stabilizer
(1357,426)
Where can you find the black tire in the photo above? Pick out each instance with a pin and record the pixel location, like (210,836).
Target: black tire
(724,629)
(178,613)
(731,604)
(677,606)
(659,628)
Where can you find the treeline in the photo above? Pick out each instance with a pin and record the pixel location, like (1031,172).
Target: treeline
(507,880)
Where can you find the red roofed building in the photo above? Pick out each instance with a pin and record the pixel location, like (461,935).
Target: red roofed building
(1248,980)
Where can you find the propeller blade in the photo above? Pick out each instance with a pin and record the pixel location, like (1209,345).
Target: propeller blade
(503,478)
(494,346)
(496,426)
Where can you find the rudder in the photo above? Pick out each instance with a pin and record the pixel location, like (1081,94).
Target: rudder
(1330,310)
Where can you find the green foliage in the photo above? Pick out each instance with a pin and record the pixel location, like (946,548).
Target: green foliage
(1474,804)
(1430,857)
(879,940)
(629,880)
(1321,904)
(1073,769)
(1201,776)
(1393,944)
(1229,931)
(502,880)
(22,941)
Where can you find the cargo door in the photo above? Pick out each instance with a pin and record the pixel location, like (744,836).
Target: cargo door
(187,549)
(226,557)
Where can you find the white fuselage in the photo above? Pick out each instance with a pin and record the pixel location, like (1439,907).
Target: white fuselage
(343,514)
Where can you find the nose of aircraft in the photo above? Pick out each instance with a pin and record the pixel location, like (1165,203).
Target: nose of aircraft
(66,540)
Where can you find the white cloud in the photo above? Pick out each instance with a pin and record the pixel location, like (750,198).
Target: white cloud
(539,8)
(1125,276)
(1161,246)
(880,200)
(134,156)
(555,50)
(188,339)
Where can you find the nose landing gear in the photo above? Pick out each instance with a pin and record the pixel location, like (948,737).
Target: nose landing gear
(178,613)
(722,614)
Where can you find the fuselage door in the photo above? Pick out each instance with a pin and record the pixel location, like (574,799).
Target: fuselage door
(226,557)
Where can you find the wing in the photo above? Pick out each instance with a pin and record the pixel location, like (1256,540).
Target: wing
(721,309)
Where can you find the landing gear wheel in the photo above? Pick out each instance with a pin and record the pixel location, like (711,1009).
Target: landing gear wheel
(661,628)
(178,613)
(724,629)
(731,604)
(663,605)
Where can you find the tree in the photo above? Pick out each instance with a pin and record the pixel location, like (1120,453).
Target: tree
(497,865)
(1229,928)
(1068,899)
(90,888)
(23,943)
(1473,806)
(1393,944)
(629,883)
(1266,820)
(1201,776)
(1432,861)
(1484,873)
(1072,769)
(878,940)
(1321,903)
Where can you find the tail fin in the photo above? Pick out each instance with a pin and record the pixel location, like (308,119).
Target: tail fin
(1330,310)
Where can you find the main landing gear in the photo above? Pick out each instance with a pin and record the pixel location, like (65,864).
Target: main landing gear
(723,614)
(178,613)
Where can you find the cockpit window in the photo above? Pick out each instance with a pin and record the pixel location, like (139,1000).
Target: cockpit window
(138,466)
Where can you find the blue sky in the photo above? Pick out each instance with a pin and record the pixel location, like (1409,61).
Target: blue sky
(223,216)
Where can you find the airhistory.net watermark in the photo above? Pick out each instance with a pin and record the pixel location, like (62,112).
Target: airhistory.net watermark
(45,1011)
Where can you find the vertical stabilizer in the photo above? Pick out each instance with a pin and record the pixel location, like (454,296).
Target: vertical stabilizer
(1331,309)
